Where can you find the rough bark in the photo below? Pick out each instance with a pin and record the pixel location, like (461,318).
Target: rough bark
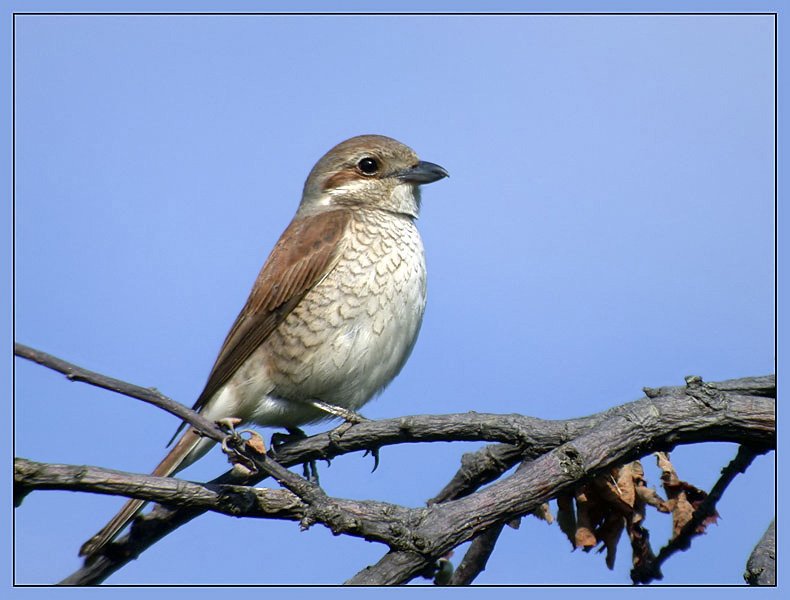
(555,457)
(761,566)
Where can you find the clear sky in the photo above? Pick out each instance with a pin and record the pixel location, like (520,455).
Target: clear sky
(608,225)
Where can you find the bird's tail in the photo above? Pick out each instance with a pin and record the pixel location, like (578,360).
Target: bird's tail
(187,450)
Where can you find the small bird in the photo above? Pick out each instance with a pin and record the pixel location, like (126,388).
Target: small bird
(335,310)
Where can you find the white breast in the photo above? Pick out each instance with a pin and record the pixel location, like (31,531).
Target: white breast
(348,337)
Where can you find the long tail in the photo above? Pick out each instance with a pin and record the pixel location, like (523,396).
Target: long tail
(187,450)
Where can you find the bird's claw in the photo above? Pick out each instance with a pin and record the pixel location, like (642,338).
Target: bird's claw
(278,438)
(229,424)
(234,441)
(374,452)
(309,468)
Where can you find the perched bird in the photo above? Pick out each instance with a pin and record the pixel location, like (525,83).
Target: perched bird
(335,310)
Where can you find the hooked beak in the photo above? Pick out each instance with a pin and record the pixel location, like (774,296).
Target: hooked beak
(424,172)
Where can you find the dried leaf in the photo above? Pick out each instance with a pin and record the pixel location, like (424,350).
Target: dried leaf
(586,520)
(649,496)
(542,512)
(255,442)
(566,517)
(667,470)
(607,488)
(626,484)
(638,473)
(682,497)
(616,500)
(681,514)
(610,533)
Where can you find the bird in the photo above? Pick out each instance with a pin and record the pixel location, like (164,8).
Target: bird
(333,314)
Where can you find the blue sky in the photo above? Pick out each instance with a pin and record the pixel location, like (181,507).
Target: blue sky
(608,225)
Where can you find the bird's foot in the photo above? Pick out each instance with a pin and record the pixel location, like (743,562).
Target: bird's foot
(234,441)
(279,438)
(229,424)
(309,468)
(351,418)
(374,452)
(230,441)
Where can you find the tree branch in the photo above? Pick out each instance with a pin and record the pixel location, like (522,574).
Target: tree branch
(631,434)
(232,500)
(565,453)
(650,570)
(149,395)
(488,463)
(761,566)
(476,558)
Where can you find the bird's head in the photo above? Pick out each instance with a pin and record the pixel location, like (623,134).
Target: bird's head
(371,171)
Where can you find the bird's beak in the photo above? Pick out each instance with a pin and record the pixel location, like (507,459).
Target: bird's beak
(424,172)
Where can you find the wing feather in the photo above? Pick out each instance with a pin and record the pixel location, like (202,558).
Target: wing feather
(307,250)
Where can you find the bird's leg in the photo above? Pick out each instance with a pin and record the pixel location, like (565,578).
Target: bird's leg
(229,425)
(338,411)
(309,468)
(351,418)
(279,438)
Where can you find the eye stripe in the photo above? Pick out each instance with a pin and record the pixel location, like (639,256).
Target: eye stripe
(340,179)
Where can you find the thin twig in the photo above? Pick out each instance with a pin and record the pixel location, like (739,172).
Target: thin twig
(650,570)
(149,395)
(726,411)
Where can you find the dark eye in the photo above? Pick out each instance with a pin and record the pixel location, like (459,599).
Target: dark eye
(368,166)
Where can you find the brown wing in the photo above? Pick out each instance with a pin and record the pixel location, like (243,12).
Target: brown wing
(304,254)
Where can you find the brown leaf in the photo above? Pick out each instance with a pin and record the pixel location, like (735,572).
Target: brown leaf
(638,473)
(255,442)
(649,496)
(608,489)
(566,517)
(681,514)
(586,520)
(682,497)
(626,484)
(542,512)
(610,533)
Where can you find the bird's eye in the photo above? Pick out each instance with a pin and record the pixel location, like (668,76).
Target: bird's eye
(368,166)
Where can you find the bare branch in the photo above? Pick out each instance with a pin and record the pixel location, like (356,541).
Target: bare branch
(233,500)
(625,436)
(761,566)
(563,453)
(651,569)
(150,395)
(488,463)
(477,556)
(634,430)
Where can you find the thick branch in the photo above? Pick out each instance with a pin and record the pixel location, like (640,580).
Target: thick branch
(233,500)
(530,437)
(565,452)
(488,463)
(660,424)
(761,566)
